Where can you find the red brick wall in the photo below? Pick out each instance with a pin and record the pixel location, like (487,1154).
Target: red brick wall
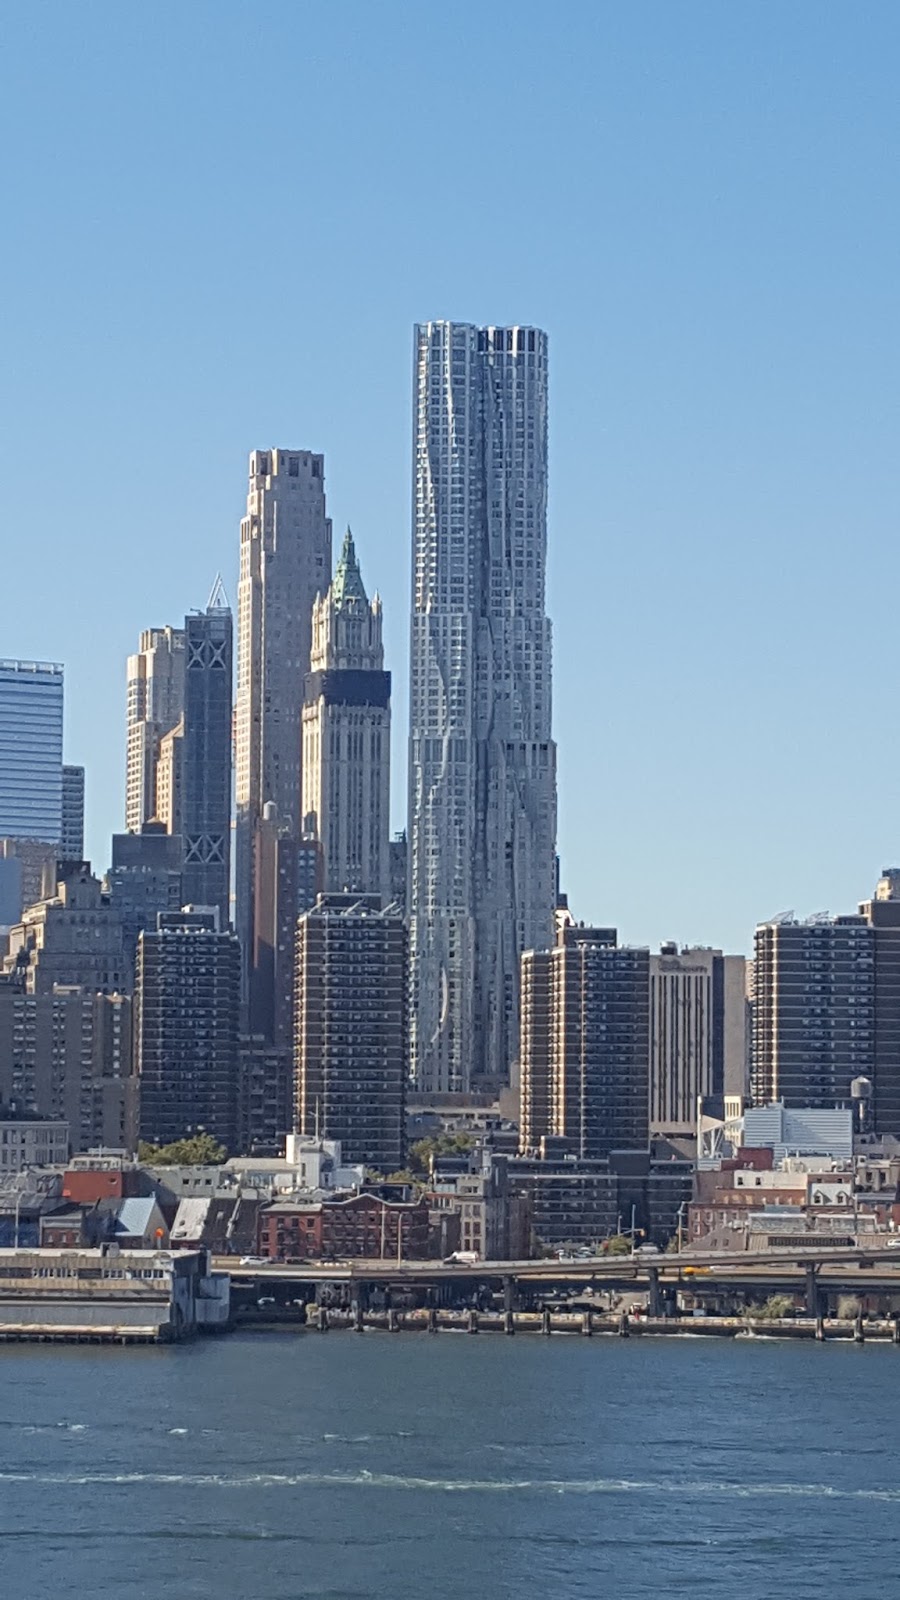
(341,1229)
(90,1186)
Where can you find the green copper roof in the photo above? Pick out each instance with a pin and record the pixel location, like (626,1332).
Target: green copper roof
(348,584)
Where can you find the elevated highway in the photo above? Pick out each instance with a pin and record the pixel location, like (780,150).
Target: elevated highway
(814,1270)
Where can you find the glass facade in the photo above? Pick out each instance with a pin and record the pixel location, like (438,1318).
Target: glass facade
(31,748)
(482,762)
(206,772)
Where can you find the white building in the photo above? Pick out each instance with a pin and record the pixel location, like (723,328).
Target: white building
(308,1164)
(155,703)
(347,736)
(482,763)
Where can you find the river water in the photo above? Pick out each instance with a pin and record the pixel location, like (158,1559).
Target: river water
(375,1467)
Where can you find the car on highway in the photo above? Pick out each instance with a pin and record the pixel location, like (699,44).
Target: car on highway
(254,1261)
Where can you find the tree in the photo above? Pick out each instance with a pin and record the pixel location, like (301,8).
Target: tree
(201,1150)
(440,1144)
(618,1244)
(777,1306)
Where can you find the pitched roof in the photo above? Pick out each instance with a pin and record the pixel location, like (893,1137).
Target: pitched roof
(134,1216)
(190,1218)
(347,584)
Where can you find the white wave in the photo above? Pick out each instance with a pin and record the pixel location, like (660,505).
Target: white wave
(385,1480)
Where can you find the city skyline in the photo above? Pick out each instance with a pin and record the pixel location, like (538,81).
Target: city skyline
(397,945)
(709,249)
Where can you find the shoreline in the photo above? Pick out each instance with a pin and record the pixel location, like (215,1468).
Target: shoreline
(587,1324)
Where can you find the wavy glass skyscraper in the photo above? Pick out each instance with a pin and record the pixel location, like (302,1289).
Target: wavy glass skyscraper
(31,748)
(482,760)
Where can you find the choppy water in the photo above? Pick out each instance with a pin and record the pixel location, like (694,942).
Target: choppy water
(378,1467)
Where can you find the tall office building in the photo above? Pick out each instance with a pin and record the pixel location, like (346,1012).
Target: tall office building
(71,847)
(347,736)
(155,705)
(144,880)
(285,563)
(350,1056)
(482,762)
(31,750)
(72,937)
(276,906)
(813,1010)
(698,1034)
(27,870)
(585,1044)
(882,913)
(206,756)
(169,779)
(67,1053)
(186,1000)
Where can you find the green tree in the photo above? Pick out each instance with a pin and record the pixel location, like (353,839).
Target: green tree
(200,1150)
(440,1144)
(618,1244)
(776,1307)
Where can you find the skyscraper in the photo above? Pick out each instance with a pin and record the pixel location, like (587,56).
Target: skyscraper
(73,936)
(206,756)
(66,1052)
(154,707)
(186,999)
(28,869)
(169,771)
(143,880)
(698,1034)
(814,1009)
(347,734)
(285,563)
(71,847)
(585,1043)
(482,762)
(882,913)
(31,750)
(350,1032)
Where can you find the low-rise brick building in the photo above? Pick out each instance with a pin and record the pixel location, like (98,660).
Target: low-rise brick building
(362,1225)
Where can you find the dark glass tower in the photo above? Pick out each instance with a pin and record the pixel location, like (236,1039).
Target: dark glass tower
(206,802)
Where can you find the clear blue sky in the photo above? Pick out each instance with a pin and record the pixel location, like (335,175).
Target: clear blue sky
(221,220)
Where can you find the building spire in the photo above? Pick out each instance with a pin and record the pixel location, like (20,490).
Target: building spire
(218,599)
(348,584)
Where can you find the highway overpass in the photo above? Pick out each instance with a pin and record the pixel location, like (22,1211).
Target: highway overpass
(813,1271)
